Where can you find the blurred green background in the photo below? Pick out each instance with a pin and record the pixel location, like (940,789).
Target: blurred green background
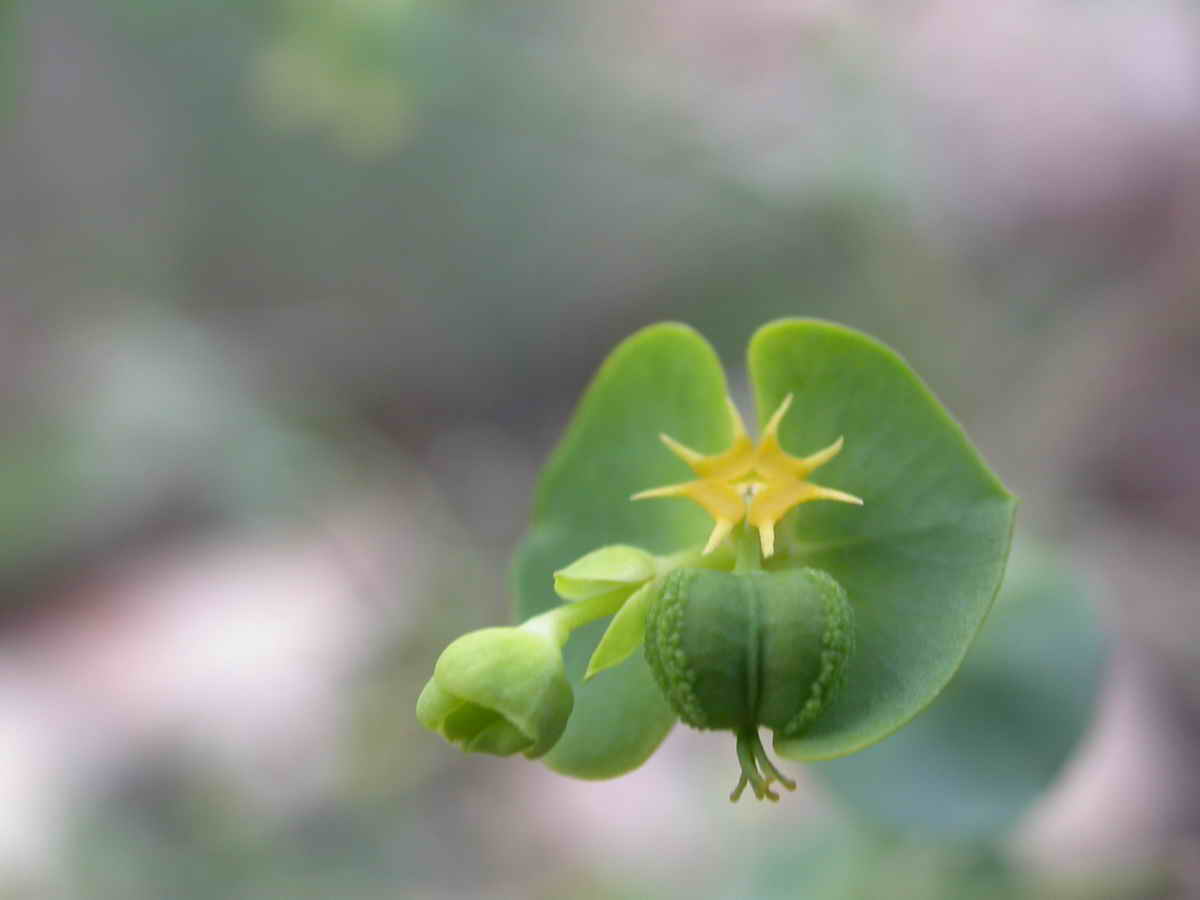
(296,296)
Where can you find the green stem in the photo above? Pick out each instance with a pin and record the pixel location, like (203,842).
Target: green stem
(749,553)
(558,623)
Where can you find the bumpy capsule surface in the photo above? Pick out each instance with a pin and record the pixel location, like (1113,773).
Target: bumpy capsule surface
(737,650)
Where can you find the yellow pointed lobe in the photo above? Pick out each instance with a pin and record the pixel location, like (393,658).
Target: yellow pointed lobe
(760,483)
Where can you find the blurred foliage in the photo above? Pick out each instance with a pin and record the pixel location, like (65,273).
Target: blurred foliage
(844,862)
(8,47)
(334,66)
(511,171)
(156,430)
(192,841)
(1000,734)
(195,843)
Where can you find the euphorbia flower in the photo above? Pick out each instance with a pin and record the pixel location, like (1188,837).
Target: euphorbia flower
(760,483)
(919,563)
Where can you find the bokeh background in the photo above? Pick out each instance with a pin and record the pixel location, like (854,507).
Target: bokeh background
(297,295)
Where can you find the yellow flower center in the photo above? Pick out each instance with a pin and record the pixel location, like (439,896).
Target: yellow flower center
(760,483)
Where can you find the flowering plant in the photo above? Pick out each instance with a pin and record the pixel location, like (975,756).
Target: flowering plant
(832,623)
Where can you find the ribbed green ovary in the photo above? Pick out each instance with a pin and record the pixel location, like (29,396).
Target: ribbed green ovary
(664,650)
(754,648)
(832,649)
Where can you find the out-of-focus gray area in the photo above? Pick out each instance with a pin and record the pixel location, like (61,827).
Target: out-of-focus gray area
(297,295)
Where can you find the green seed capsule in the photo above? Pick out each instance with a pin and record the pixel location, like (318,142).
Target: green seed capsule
(741,650)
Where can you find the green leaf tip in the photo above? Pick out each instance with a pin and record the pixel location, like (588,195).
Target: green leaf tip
(625,633)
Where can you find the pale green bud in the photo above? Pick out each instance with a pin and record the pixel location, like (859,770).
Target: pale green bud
(500,691)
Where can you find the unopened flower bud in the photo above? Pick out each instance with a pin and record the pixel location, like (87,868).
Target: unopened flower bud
(500,691)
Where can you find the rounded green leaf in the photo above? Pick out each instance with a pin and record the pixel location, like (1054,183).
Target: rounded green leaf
(921,560)
(665,378)
(1003,729)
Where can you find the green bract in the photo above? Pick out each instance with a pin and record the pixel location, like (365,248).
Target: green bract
(914,546)
(924,557)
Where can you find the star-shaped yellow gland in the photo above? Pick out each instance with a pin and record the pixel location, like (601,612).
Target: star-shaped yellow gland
(758,482)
